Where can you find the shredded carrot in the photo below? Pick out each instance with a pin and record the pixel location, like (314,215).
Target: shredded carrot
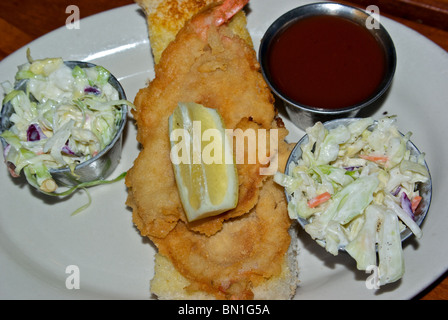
(319,199)
(415,202)
(373,158)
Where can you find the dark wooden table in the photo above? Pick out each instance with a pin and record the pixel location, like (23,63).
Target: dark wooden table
(25,20)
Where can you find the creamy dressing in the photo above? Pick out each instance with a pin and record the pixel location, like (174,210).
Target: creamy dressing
(62,118)
(356,186)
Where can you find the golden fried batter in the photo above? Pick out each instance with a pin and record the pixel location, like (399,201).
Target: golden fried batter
(166,17)
(226,256)
(245,253)
(233,85)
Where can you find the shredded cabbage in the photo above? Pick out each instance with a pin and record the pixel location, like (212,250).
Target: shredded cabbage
(61,118)
(368,171)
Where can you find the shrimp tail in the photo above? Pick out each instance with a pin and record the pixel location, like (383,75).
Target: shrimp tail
(217,16)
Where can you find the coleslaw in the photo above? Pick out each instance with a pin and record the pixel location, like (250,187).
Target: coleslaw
(356,187)
(61,117)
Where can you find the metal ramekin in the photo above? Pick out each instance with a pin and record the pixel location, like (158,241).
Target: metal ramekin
(425,189)
(95,168)
(304,116)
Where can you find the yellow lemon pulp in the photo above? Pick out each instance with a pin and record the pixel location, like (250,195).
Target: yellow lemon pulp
(203,163)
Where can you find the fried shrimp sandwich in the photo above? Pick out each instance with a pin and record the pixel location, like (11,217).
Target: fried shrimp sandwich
(203,54)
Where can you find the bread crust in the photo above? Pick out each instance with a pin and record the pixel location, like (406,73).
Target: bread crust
(166,17)
(244,256)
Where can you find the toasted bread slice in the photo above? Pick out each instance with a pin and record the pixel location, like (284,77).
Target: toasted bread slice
(166,17)
(170,284)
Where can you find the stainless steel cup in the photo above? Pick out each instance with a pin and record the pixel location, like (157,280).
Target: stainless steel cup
(96,168)
(304,116)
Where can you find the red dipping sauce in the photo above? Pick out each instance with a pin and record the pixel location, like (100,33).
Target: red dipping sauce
(326,62)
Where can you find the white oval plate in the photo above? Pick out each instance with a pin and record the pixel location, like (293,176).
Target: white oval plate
(39,238)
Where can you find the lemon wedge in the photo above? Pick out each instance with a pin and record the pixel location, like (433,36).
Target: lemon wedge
(203,162)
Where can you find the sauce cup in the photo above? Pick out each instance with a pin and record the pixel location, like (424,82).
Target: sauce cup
(304,114)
